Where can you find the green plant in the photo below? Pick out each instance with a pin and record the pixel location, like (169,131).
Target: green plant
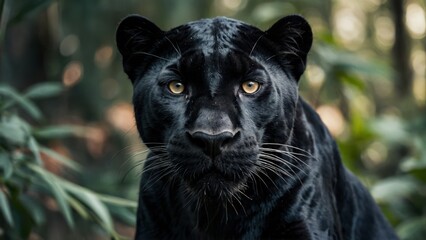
(403,195)
(26,184)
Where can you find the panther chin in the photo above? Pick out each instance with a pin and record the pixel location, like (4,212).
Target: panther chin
(213,184)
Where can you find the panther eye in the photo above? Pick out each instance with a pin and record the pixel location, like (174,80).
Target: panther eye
(176,87)
(250,87)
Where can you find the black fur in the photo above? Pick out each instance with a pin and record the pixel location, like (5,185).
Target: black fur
(225,164)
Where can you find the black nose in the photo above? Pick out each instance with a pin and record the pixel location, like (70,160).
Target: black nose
(211,144)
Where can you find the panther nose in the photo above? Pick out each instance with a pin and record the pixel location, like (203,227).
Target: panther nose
(211,144)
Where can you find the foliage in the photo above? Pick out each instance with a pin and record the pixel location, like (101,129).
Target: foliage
(27,189)
(403,196)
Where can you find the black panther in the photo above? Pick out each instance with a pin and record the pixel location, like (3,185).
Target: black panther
(235,152)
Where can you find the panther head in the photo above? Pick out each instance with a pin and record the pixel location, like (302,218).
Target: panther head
(211,97)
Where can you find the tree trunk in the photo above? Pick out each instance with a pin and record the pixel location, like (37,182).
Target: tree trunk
(401,51)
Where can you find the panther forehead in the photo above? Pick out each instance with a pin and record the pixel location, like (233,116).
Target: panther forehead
(216,35)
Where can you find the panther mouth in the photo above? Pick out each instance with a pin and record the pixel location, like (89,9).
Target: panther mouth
(214,184)
(220,176)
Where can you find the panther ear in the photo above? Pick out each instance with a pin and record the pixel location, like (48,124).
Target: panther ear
(135,37)
(293,36)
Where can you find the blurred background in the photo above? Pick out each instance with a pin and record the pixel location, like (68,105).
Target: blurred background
(69,150)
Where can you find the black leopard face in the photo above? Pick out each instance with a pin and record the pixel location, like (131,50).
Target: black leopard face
(209,95)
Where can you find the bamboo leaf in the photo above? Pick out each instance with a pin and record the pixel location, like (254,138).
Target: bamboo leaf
(34,208)
(23,102)
(61,158)
(117,201)
(5,209)
(394,188)
(14,131)
(124,214)
(78,207)
(60,131)
(44,90)
(93,203)
(350,62)
(6,166)
(412,229)
(56,189)
(35,149)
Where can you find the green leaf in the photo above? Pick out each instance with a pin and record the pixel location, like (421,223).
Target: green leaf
(60,131)
(352,80)
(23,102)
(6,166)
(412,229)
(93,203)
(415,167)
(393,189)
(5,209)
(57,191)
(413,164)
(61,158)
(34,208)
(117,201)
(124,214)
(44,90)
(14,131)
(22,218)
(78,207)
(97,207)
(35,149)
(390,129)
(350,62)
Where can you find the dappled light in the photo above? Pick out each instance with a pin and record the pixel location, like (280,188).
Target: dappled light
(103,56)
(72,74)
(384,32)
(416,20)
(69,45)
(121,116)
(349,26)
(333,119)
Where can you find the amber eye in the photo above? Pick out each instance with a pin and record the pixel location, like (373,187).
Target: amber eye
(250,87)
(176,87)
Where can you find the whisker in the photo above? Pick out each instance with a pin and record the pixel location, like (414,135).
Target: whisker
(279,159)
(241,204)
(304,153)
(261,170)
(295,153)
(233,206)
(266,160)
(282,53)
(157,177)
(152,55)
(256,174)
(255,44)
(288,146)
(157,165)
(288,154)
(282,170)
(140,163)
(178,52)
